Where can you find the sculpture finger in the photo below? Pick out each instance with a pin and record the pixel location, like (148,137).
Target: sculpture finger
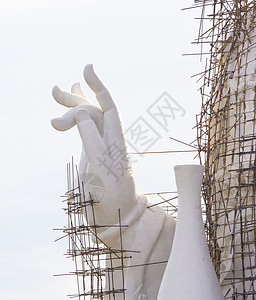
(102,94)
(68,99)
(112,126)
(91,138)
(76,89)
(113,132)
(114,139)
(83,166)
(67,121)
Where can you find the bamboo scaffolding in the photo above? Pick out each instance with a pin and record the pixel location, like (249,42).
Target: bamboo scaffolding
(226,141)
(98,267)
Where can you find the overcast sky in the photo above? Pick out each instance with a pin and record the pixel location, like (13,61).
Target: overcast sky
(136,47)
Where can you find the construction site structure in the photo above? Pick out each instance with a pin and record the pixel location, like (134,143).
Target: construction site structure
(226,140)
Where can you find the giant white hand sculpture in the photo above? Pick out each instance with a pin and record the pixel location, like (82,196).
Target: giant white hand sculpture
(105,163)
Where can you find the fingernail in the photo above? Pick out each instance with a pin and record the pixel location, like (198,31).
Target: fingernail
(82,115)
(76,86)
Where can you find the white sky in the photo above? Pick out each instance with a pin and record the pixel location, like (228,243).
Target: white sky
(136,47)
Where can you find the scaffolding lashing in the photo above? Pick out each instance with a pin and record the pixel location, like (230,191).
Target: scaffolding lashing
(97,265)
(226,141)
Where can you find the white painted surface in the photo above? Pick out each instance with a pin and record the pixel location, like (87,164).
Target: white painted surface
(189,273)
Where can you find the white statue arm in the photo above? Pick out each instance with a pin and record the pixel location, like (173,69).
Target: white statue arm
(106,172)
(105,161)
